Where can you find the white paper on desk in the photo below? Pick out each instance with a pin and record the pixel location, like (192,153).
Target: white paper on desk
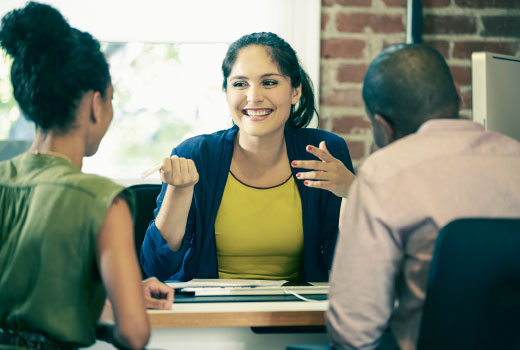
(225,283)
(261,290)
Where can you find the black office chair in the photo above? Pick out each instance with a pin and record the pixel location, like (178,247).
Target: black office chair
(388,342)
(146,196)
(473,293)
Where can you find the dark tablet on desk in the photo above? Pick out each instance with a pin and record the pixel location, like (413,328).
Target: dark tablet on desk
(182,297)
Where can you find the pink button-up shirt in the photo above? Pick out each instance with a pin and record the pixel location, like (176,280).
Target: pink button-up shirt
(403,195)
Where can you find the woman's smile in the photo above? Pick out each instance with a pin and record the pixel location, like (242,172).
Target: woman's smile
(257,114)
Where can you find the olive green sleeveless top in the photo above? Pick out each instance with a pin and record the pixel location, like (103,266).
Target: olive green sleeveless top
(50,217)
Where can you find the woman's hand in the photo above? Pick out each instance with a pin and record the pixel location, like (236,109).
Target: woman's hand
(157,295)
(181,175)
(328,174)
(179,172)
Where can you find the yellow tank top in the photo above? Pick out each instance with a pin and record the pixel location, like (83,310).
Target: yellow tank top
(259,231)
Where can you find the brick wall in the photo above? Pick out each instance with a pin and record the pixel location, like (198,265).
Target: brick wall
(353,32)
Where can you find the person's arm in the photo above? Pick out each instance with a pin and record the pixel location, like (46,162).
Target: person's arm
(181,176)
(364,271)
(156,258)
(117,262)
(338,169)
(328,173)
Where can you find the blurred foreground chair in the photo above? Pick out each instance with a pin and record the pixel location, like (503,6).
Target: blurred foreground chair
(387,343)
(145,196)
(473,292)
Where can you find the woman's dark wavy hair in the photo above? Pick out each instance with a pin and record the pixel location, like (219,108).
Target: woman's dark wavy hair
(285,57)
(54,65)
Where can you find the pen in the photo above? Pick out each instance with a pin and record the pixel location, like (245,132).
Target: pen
(150,171)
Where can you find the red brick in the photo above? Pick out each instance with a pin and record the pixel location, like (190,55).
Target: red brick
(326,72)
(449,25)
(440,45)
(324,20)
(461,75)
(359,22)
(342,48)
(351,73)
(465,48)
(436,3)
(501,26)
(395,3)
(426,3)
(356,149)
(327,2)
(351,125)
(365,3)
(508,4)
(342,98)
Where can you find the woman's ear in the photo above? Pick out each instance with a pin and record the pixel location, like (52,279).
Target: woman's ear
(297,93)
(97,107)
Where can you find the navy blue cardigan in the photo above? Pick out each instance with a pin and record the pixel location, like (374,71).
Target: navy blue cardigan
(197,257)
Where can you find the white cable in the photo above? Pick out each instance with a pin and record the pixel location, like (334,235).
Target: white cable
(301,297)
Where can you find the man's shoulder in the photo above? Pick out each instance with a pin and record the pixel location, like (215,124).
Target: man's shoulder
(394,158)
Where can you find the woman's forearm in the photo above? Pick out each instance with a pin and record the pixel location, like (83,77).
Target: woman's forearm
(173,215)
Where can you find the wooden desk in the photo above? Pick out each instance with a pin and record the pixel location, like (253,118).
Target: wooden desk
(238,314)
(227,326)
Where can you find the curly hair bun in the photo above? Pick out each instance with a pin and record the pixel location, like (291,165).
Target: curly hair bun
(34,32)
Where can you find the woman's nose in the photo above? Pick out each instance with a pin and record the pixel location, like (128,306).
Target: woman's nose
(254,94)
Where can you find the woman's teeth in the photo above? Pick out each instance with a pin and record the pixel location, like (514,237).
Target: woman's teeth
(257,112)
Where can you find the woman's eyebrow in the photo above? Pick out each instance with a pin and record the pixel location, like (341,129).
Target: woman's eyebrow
(238,77)
(262,76)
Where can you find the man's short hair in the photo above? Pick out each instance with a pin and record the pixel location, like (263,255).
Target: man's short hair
(408,84)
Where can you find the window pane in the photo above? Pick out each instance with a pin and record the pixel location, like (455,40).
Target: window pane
(163,93)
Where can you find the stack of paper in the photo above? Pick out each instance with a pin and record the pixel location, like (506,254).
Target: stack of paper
(222,283)
(206,287)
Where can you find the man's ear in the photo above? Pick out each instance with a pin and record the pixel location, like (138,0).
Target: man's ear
(386,128)
(96,108)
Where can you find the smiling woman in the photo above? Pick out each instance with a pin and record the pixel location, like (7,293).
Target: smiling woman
(231,204)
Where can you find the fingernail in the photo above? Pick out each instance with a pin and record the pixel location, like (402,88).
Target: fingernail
(305,182)
(293,163)
(298,175)
(309,148)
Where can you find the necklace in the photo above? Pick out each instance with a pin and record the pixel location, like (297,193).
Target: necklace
(51,154)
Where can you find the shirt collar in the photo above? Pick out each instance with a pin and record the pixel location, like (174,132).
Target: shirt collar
(443,124)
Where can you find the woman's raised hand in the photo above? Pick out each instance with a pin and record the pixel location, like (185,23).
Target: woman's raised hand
(328,174)
(179,172)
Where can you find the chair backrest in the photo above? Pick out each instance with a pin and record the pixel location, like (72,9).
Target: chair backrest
(473,293)
(146,196)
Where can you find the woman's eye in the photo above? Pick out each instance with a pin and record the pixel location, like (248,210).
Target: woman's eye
(239,84)
(270,82)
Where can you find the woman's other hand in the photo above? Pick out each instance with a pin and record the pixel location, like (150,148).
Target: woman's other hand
(328,174)
(157,295)
(179,172)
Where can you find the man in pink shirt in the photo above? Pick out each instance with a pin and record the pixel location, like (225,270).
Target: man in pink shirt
(432,167)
